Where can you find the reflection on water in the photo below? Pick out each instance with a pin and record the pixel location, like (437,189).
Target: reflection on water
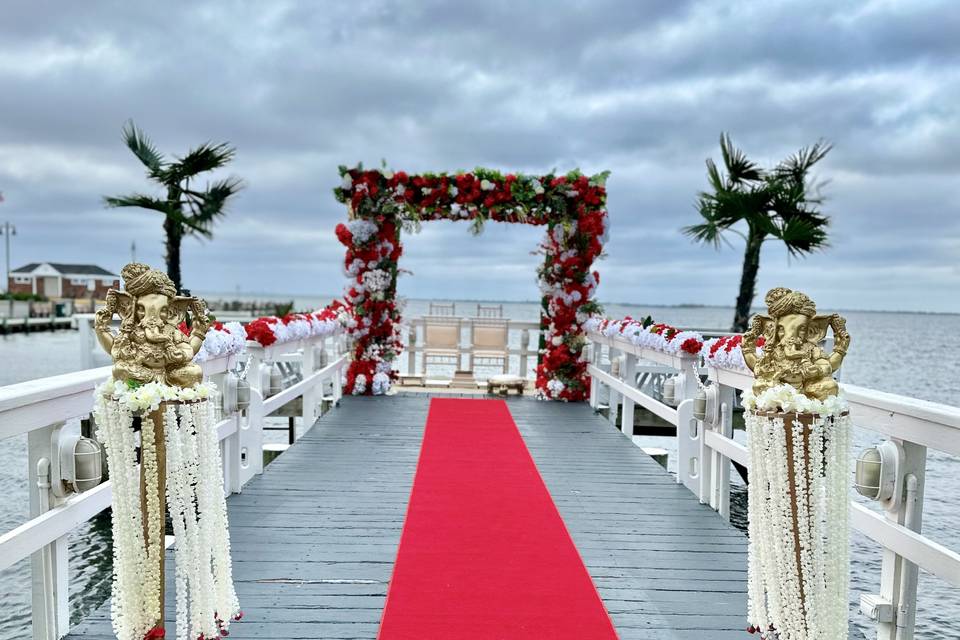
(875,360)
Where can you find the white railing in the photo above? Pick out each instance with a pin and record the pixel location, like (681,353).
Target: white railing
(706,448)
(39,407)
(523,344)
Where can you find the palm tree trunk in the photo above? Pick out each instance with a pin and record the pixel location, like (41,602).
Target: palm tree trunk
(748,281)
(174,231)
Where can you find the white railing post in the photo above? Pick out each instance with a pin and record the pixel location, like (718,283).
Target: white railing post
(689,431)
(720,489)
(614,402)
(85,328)
(338,383)
(629,375)
(412,351)
(594,358)
(308,365)
(524,348)
(251,429)
(898,576)
(49,576)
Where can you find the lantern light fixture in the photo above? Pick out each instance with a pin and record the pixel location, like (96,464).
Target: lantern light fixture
(76,463)
(878,476)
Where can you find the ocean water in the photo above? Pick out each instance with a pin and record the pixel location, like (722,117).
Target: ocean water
(913,354)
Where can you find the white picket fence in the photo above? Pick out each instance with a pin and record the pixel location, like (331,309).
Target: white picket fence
(39,407)
(705,450)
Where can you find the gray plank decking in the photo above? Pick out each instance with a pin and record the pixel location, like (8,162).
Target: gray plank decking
(315,537)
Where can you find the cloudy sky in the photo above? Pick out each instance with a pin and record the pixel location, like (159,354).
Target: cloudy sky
(640,88)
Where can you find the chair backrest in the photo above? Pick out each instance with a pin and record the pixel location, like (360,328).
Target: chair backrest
(441,333)
(490,311)
(488,334)
(443,309)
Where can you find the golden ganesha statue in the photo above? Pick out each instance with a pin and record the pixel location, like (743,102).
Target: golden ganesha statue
(792,353)
(150,347)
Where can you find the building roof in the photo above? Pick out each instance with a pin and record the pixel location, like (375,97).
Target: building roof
(64,269)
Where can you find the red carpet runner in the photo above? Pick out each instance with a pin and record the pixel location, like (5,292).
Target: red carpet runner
(484,554)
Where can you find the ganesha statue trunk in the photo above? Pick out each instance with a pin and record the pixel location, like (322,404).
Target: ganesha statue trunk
(799,433)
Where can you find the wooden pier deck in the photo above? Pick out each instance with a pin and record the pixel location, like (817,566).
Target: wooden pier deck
(315,537)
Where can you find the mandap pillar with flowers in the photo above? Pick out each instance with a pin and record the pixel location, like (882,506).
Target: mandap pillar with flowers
(382,204)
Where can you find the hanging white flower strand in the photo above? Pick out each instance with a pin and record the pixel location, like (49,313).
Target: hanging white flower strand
(805,520)
(206,601)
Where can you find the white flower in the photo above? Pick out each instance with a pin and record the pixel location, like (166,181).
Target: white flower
(347,181)
(537,187)
(486,185)
(362,230)
(387,173)
(381,383)
(360,384)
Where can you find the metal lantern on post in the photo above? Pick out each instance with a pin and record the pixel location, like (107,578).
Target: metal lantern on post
(877,474)
(669,391)
(76,464)
(700,405)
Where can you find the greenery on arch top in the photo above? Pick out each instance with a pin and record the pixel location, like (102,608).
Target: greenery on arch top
(474,196)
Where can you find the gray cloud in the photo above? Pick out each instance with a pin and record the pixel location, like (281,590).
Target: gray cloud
(641,88)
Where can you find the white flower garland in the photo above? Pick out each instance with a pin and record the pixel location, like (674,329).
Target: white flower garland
(205,596)
(230,340)
(786,399)
(640,336)
(302,326)
(130,613)
(788,601)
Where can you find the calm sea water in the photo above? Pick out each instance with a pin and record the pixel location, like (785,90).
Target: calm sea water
(913,354)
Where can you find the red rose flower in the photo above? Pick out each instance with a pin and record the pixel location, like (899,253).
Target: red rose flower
(344,235)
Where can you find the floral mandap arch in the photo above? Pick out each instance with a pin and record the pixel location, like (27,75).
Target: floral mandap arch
(383,203)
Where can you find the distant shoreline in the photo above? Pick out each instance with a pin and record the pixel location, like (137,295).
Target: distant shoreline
(275,297)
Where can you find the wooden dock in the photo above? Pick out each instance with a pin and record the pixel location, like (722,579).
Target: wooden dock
(27,325)
(315,537)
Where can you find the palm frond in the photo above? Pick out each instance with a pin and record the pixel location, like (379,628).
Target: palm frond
(740,169)
(143,148)
(705,232)
(799,164)
(803,235)
(206,157)
(207,206)
(139,200)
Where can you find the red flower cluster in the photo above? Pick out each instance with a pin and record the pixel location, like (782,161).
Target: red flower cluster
(665,330)
(727,343)
(691,346)
(260,331)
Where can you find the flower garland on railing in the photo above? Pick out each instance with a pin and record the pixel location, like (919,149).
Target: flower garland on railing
(382,202)
(647,335)
(726,352)
(222,339)
(269,330)
(206,600)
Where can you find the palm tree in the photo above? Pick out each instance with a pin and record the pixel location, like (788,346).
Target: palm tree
(186,210)
(779,204)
